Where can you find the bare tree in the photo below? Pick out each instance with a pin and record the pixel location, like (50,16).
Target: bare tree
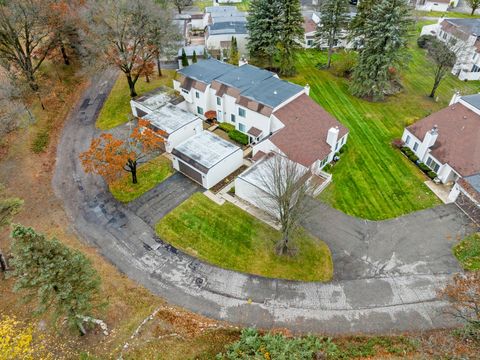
(286,188)
(464,296)
(26,37)
(182,4)
(443,58)
(122,30)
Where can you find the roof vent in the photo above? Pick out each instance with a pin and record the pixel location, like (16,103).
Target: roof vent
(465,117)
(275,92)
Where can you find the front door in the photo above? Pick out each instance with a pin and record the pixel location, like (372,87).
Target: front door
(219,115)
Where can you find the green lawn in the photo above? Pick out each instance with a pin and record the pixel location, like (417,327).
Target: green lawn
(373,180)
(231,238)
(448,14)
(148,175)
(116,109)
(202,4)
(467,252)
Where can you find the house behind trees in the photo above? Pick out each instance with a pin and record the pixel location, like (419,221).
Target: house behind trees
(463,37)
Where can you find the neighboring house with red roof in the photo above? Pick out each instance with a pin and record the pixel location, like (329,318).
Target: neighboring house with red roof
(448,141)
(463,37)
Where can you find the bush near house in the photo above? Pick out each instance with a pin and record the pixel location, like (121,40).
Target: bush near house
(226,127)
(424,40)
(432,174)
(467,252)
(238,136)
(414,158)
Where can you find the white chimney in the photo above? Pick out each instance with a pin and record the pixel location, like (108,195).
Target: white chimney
(242,61)
(455,98)
(307,89)
(332,137)
(428,141)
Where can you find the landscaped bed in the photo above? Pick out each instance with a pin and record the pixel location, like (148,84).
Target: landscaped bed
(149,175)
(373,180)
(116,109)
(228,237)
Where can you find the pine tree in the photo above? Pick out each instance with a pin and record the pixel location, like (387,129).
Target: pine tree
(184,58)
(291,34)
(333,23)
(385,41)
(194,57)
(58,277)
(264,27)
(234,56)
(364,10)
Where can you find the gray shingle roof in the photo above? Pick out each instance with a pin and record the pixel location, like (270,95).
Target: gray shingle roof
(206,70)
(272,91)
(473,100)
(244,77)
(233,27)
(474,180)
(468,25)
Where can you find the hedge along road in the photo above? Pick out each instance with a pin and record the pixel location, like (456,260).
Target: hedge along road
(386,273)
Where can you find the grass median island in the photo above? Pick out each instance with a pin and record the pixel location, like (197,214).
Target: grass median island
(373,180)
(149,175)
(116,109)
(230,238)
(467,252)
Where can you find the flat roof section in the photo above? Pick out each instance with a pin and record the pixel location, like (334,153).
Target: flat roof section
(205,149)
(170,118)
(155,99)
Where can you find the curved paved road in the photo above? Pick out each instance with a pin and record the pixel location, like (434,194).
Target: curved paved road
(386,272)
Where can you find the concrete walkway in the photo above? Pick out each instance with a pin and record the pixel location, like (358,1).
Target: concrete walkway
(380,286)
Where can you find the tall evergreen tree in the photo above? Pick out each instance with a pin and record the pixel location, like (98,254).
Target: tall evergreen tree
(364,10)
(291,35)
(194,57)
(264,27)
(385,40)
(234,55)
(184,58)
(333,23)
(58,277)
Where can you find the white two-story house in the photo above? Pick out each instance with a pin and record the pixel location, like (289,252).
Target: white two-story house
(463,37)
(434,5)
(448,141)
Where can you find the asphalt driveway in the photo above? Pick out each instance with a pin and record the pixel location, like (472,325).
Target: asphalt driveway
(386,273)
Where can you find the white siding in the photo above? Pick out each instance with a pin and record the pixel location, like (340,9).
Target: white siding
(253,195)
(213,41)
(224,168)
(183,134)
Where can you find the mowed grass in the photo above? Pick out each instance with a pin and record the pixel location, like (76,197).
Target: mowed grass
(231,238)
(148,175)
(373,180)
(448,14)
(116,110)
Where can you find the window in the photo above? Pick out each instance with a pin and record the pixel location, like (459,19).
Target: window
(475,68)
(336,147)
(432,164)
(185,91)
(415,147)
(197,94)
(444,36)
(232,118)
(241,127)
(219,101)
(199,110)
(241,112)
(309,42)
(407,140)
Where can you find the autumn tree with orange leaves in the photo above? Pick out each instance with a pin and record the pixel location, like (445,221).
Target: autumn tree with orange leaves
(109,156)
(463,293)
(123,31)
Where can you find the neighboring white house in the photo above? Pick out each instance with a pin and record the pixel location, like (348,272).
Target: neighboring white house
(466,193)
(151,101)
(463,37)
(221,23)
(448,141)
(311,21)
(207,158)
(174,125)
(434,5)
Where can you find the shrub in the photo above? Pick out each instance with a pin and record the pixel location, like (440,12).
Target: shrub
(413,157)
(342,149)
(327,168)
(397,143)
(226,127)
(467,252)
(423,167)
(238,136)
(432,174)
(424,40)
(343,66)
(232,190)
(41,141)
